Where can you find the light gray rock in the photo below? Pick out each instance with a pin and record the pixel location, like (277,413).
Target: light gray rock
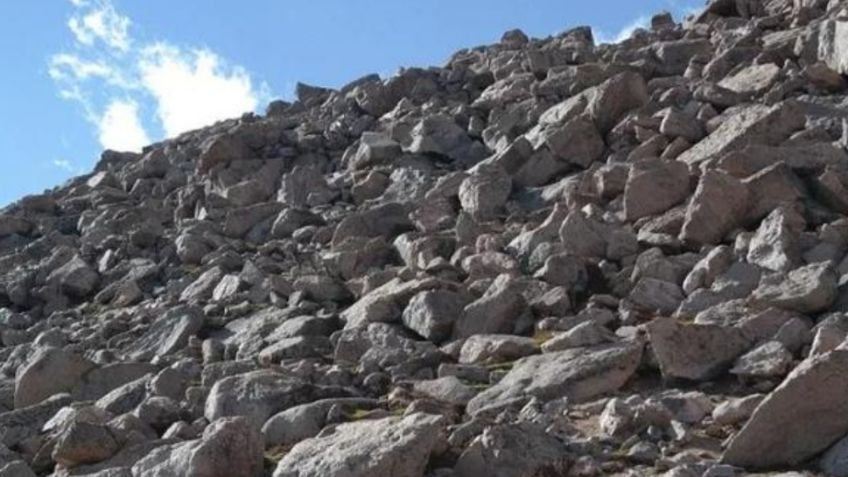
(750,125)
(483,193)
(654,186)
(260,394)
(694,352)
(579,374)
(809,289)
(801,418)
(167,335)
(400,447)
(432,314)
(49,371)
(496,348)
(615,97)
(76,278)
(306,420)
(507,450)
(497,311)
(769,360)
(229,447)
(719,204)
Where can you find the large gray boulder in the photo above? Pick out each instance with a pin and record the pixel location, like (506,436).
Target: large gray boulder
(49,371)
(399,447)
(578,374)
(694,352)
(259,395)
(805,415)
(229,447)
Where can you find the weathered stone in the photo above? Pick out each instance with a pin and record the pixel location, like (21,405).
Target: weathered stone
(719,204)
(615,97)
(49,371)
(497,311)
(229,447)
(496,348)
(752,125)
(802,417)
(167,335)
(654,186)
(260,394)
(400,447)
(809,289)
(514,449)
(485,192)
(579,374)
(694,352)
(432,314)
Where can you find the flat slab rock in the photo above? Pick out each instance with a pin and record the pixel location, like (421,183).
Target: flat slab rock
(805,415)
(397,447)
(578,374)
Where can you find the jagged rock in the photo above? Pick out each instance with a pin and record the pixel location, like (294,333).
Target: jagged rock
(802,417)
(259,395)
(496,348)
(654,186)
(432,314)
(84,443)
(775,244)
(399,447)
(719,204)
(230,447)
(49,371)
(753,80)
(306,420)
(694,352)
(76,278)
(167,335)
(386,303)
(578,374)
(615,97)
(809,289)
(751,125)
(221,150)
(769,360)
(514,449)
(497,311)
(484,193)
(12,225)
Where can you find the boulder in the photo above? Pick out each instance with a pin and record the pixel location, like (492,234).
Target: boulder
(49,371)
(654,186)
(694,352)
(719,205)
(799,419)
(400,447)
(230,447)
(578,374)
(810,289)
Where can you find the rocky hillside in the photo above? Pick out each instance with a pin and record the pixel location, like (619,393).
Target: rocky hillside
(545,258)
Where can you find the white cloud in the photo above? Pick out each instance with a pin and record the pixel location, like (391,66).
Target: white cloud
(100,21)
(63,164)
(120,129)
(626,32)
(116,77)
(194,89)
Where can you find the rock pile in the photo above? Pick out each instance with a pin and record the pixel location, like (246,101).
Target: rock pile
(547,257)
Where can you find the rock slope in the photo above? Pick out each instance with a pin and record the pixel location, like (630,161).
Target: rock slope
(547,257)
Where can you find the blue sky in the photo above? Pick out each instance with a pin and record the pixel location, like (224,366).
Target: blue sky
(81,75)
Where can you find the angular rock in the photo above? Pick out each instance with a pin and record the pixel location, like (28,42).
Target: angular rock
(578,374)
(801,418)
(400,447)
(49,371)
(694,352)
(719,205)
(809,289)
(654,186)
